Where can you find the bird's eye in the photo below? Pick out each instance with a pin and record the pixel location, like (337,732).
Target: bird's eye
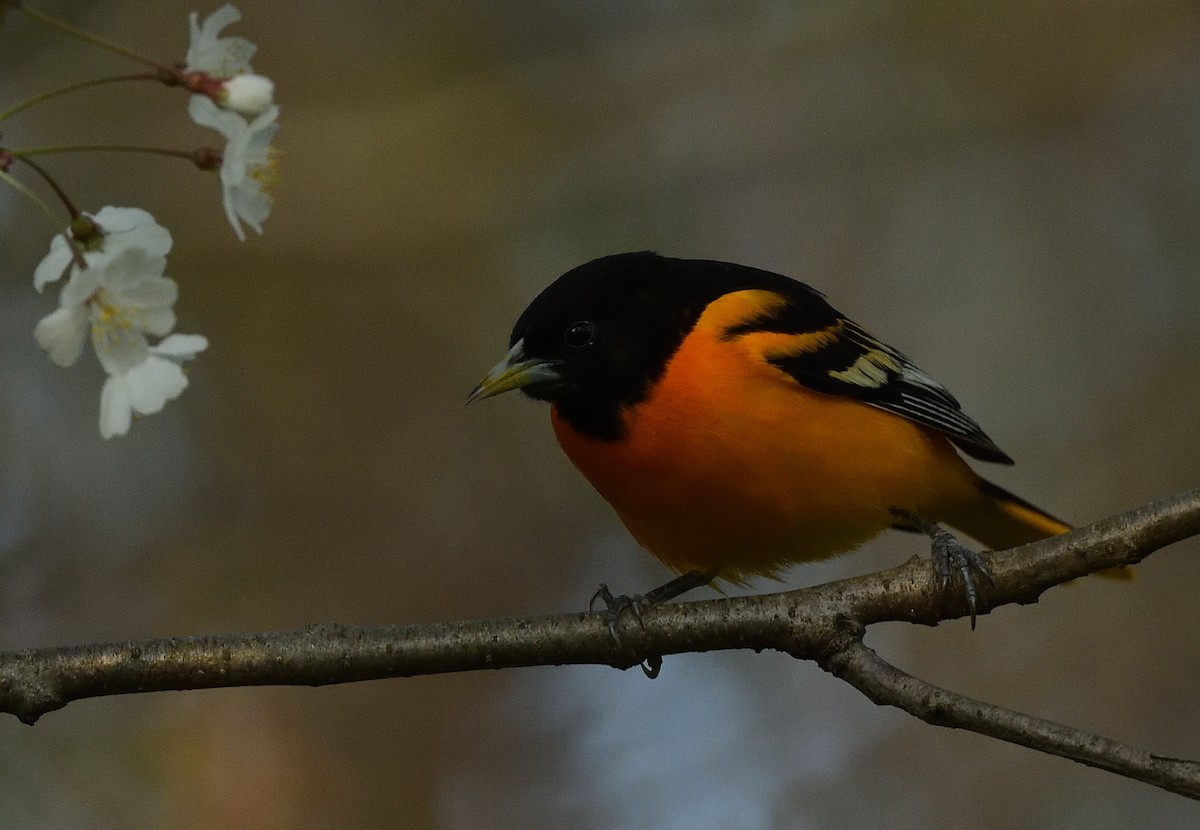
(580,335)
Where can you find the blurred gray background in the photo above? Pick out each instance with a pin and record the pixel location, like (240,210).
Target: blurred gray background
(1010,193)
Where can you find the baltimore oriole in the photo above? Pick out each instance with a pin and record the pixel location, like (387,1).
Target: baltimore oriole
(738,423)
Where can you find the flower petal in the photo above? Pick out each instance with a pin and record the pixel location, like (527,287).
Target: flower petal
(221,57)
(205,112)
(181,346)
(250,204)
(116,409)
(157,321)
(214,23)
(127,273)
(119,219)
(55,263)
(154,382)
(118,349)
(61,334)
(150,292)
(153,239)
(81,285)
(233,213)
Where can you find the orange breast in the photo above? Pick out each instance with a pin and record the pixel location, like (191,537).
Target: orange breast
(731,466)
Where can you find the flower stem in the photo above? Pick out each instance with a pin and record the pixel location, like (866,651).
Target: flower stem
(54,93)
(87,37)
(58,191)
(16,185)
(48,179)
(58,149)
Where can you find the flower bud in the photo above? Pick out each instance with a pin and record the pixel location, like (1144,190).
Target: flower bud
(248,94)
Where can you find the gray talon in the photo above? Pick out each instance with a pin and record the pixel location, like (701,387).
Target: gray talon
(948,551)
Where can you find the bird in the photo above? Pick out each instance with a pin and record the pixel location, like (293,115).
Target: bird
(738,424)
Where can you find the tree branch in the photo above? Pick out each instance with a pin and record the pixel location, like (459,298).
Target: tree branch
(887,685)
(822,623)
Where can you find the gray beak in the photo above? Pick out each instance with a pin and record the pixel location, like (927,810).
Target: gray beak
(513,372)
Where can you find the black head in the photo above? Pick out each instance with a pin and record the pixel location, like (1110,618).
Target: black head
(596,339)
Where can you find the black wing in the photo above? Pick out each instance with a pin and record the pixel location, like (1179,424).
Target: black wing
(832,354)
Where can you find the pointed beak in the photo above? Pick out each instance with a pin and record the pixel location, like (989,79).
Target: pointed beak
(515,371)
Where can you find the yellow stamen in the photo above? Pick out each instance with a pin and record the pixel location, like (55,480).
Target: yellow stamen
(268,175)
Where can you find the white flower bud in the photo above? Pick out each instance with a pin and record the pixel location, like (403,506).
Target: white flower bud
(248,94)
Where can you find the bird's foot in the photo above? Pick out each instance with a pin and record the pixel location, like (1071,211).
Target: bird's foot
(615,606)
(948,554)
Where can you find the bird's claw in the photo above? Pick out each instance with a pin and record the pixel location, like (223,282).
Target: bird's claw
(615,606)
(947,552)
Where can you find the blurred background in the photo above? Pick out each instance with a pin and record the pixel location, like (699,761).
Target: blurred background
(1010,193)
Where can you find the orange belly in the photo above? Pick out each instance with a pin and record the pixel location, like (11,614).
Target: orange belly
(733,467)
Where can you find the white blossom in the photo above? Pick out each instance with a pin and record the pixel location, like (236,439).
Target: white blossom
(220,57)
(147,386)
(120,228)
(119,298)
(249,164)
(223,64)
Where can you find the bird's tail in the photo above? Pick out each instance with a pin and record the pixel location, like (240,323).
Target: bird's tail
(1005,521)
